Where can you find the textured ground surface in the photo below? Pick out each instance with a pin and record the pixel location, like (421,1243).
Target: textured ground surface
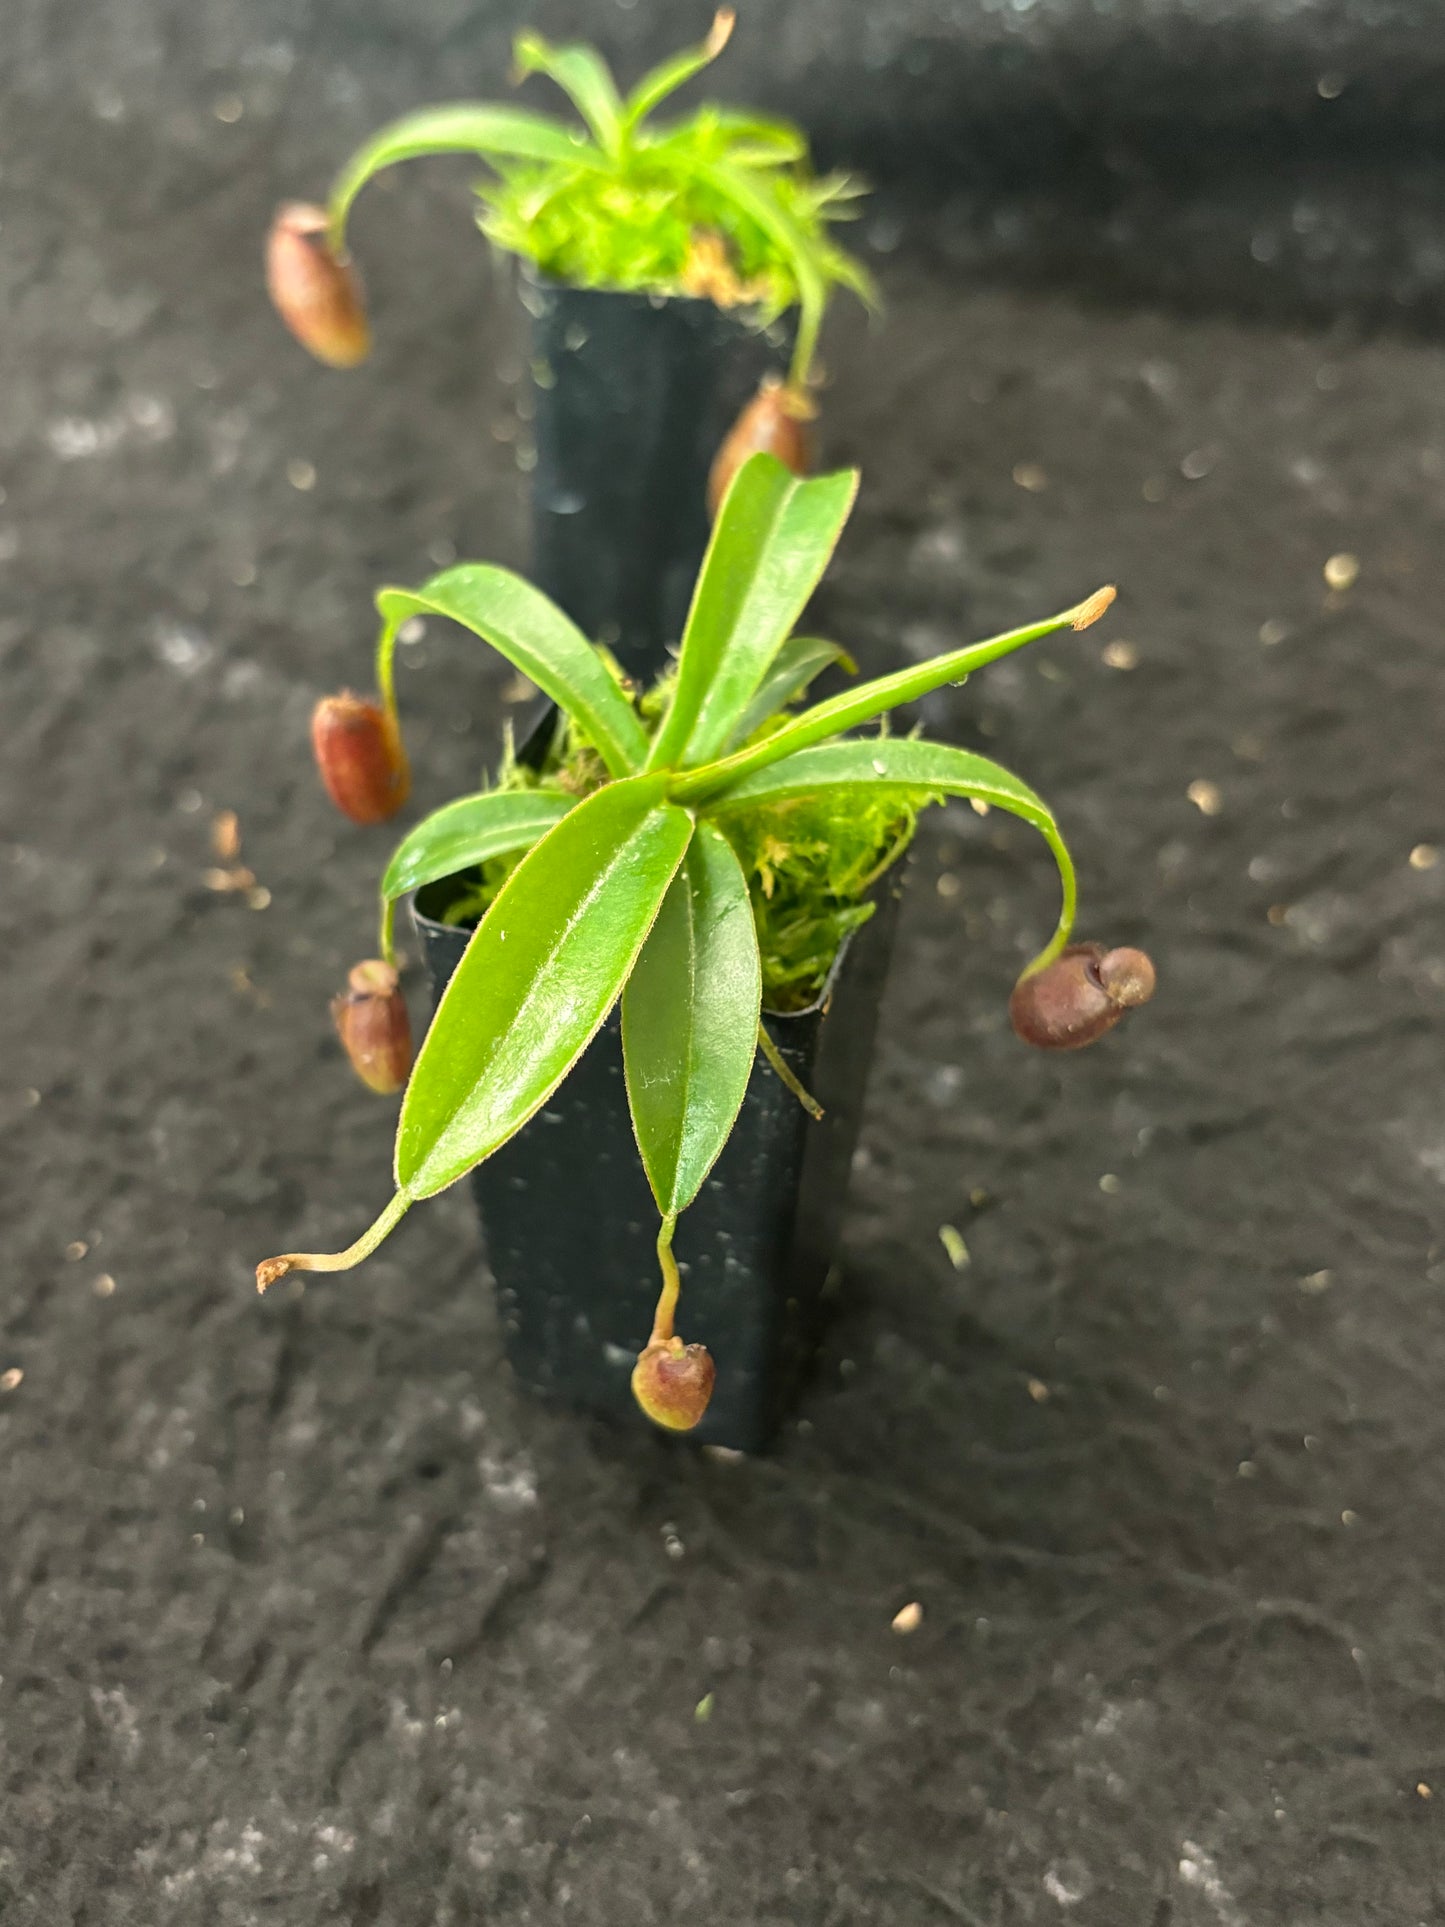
(304,1615)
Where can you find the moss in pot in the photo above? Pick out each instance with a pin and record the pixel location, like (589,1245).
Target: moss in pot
(681,847)
(676,273)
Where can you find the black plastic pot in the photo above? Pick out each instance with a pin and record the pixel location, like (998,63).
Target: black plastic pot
(633,396)
(570,1226)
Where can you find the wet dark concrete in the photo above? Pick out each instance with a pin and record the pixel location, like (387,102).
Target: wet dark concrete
(305,1615)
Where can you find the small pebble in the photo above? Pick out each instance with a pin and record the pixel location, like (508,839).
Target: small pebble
(104,1286)
(1272,632)
(1316,1282)
(9,1380)
(908,1618)
(1349,1518)
(1197,464)
(1330,86)
(978,806)
(702,1712)
(1424,856)
(1121,655)
(1247,1469)
(229,108)
(1342,571)
(76,1250)
(1425,1790)
(1111,1185)
(949,884)
(300,474)
(1205,797)
(1038,1391)
(1030,476)
(259,898)
(226,836)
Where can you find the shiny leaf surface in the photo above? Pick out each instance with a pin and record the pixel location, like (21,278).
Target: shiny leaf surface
(467,832)
(546,964)
(902,764)
(794,667)
(770,545)
(530,630)
(855,706)
(690,1021)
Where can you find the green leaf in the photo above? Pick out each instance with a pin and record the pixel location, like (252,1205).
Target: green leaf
(463,127)
(774,141)
(690,1021)
(721,133)
(585,78)
(757,198)
(856,706)
(532,633)
(546,964)
(770,544)
(794,667)
(469,831)
(898,763)
(667,77)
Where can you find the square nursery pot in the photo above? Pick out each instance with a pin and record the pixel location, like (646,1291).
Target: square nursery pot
(570,1227)
(633,396)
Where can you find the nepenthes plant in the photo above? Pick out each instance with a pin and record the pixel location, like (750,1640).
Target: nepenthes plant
(643,862)
(721,204)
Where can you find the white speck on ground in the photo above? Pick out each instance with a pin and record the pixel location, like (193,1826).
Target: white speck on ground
(1197,1869)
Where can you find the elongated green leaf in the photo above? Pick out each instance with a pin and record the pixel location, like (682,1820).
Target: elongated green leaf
(690,1021)
(899,763)
(467,832)
(585,78)
(462,127)
(723,133)
(754,197)
(770,544)
(856,706)
(794,667)
(546,964)
(772,141)
(666,78)
(531,632)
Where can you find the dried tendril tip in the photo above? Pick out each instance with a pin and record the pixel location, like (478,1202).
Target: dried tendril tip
(1089,612)
(720,32)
